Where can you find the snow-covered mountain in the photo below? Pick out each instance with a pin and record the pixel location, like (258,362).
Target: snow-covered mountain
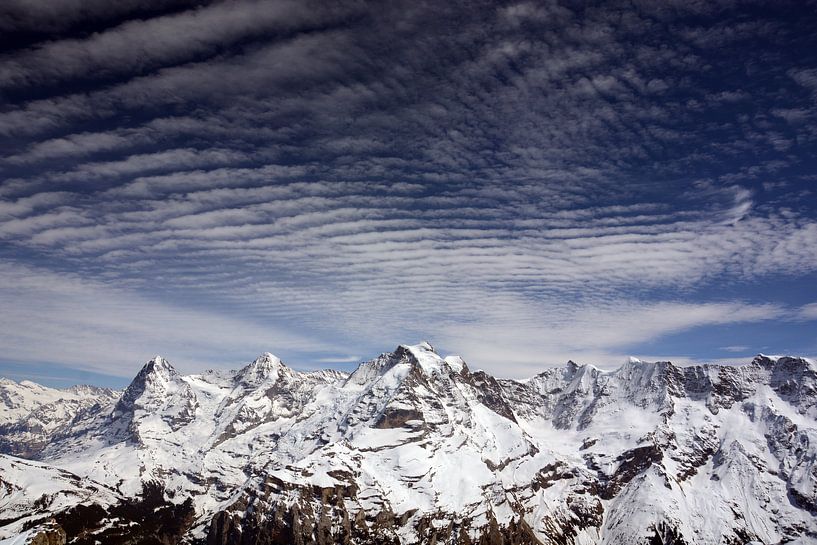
(31,414)
(415,448)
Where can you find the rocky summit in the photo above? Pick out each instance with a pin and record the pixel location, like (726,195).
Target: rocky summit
(413,448)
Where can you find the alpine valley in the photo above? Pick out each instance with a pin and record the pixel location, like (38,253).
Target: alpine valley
(412,448)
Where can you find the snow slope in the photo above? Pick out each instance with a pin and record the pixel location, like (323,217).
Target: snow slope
(30,490)
(31,414)
(415,448)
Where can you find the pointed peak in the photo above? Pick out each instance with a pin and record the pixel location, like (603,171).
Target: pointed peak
(159,361)
(158,364)
(265,366)
(267,359)
(155,376)
(632,360)
(419,356)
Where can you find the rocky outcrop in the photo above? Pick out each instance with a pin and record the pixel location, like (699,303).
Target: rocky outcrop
(331,515)
(47,533)
(147,519)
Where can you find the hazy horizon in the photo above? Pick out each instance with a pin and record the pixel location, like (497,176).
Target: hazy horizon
(119,382)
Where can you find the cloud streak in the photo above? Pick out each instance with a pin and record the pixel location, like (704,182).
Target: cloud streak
(142,45)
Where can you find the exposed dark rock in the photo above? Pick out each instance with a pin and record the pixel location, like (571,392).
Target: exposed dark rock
(49,533)
(701,448)
(319,516)
(666,534)
(491,394)
(556,471)
(632,463)
(146,520)
(394,417)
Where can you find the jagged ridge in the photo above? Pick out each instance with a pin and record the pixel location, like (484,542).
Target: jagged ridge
(416,448)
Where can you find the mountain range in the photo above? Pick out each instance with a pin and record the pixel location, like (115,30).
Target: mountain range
(413,447)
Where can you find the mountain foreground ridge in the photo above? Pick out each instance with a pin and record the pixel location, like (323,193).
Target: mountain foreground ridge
(412,448)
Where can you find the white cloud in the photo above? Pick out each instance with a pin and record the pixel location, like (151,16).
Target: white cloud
(736,348)
(808,312)
(67,320)
(598,333)
(339,359)
(92,326)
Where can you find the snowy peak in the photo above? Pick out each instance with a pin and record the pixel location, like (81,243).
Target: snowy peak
(89,391)
(31,413)
(402,359)
(585,378)
(425,346)
(432,363)
(794,379)
(785,362)
(155,375)
(158,390)
(406,359)
(266,367)
(159,365)
(423,355)
(19,400)
(457,364)
(267,360)
(765,360)
(650,383)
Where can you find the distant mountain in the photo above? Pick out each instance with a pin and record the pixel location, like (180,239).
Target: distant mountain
(415,448)
(31,414)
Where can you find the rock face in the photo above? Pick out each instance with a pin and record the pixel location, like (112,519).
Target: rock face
(415,448)
(49,533)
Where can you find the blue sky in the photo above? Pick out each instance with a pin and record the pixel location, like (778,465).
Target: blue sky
(521,183)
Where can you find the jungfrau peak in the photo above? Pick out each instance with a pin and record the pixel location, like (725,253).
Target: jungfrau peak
(412,448)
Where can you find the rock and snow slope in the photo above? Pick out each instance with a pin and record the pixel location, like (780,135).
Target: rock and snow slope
(31,414)
(415,448)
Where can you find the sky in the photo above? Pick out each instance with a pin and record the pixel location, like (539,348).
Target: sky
(521,183)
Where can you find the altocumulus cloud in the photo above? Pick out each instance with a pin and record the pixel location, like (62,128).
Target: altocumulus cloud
(521,182)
